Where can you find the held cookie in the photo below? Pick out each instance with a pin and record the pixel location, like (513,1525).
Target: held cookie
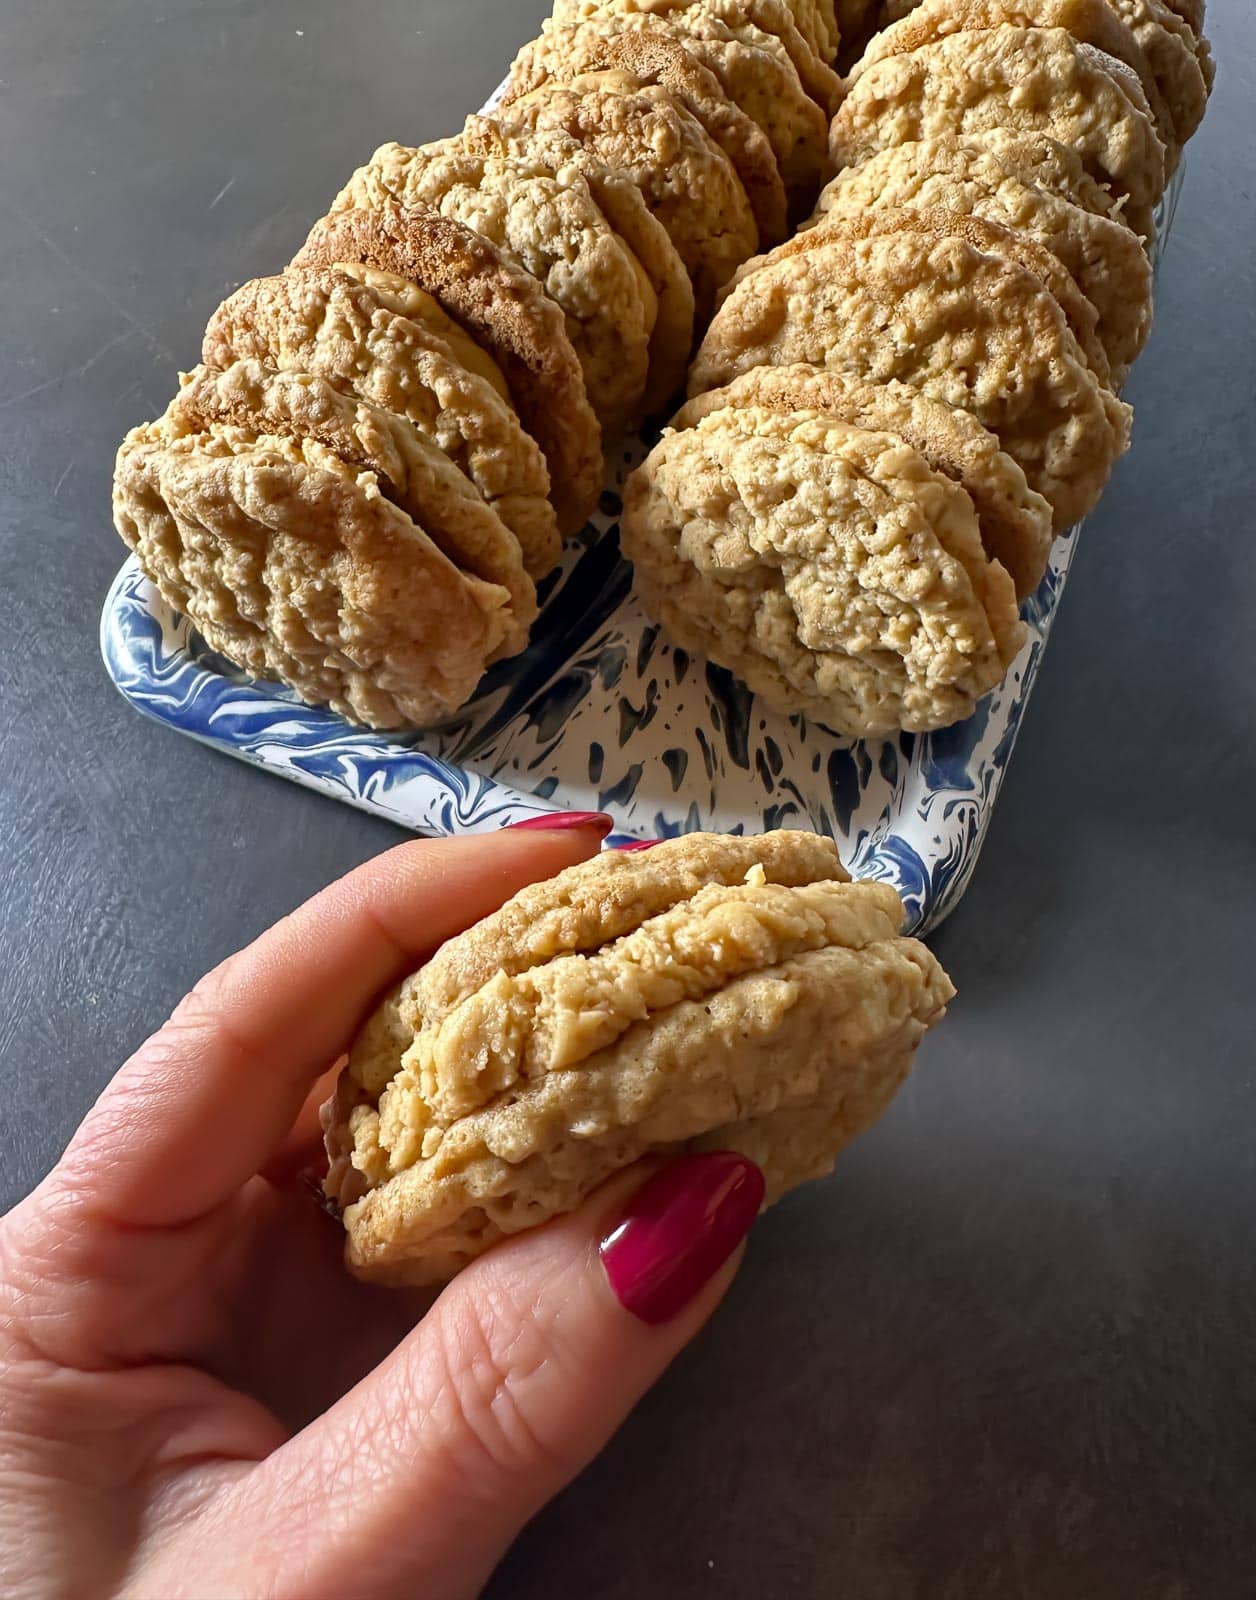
(297,566)
(687,180)
(1022,80)
(1015,522)
(336,326)
(963,326)
(551,226)
(1103,257)
(505,310)
(828,566)
(648,51)
(710,993)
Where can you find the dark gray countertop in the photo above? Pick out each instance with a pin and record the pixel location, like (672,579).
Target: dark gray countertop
(1009,1348)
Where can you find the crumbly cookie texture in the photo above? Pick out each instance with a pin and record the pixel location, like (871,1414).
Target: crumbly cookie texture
(687,180)
(551,226)
(1022,80)
(969,328)
(411,471)
(1105,259)
(1171,61)
(1015,522)
(296,566)
(505,309)
(623,205)
(1092,22)
(648,51)
(1179,57)
(710,993)
(329,323)
(827,565)
(775,18)
(992,238)
(756,74)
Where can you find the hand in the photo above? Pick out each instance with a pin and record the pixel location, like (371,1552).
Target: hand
(195,1398)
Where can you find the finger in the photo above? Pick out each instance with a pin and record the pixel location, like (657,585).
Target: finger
(523,1369)
(199,1107)
(301,1152)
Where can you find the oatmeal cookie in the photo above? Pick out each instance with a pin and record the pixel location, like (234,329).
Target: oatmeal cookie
(773,17)
(412,472)
(296,566)
(1105,259)
(964,326)
(335,326)
(827,565)
(1015,522)
(687,180)
(1021,80)
(732,994)
(992,238)
(551,226)
(505,310)
(623,206)
(648,51)
(1092,22)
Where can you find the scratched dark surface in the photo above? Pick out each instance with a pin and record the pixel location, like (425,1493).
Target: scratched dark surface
(1009,1348)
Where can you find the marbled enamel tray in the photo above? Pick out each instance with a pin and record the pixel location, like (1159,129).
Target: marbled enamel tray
(600,713)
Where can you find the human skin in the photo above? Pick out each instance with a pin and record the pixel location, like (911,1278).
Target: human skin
(196,1400)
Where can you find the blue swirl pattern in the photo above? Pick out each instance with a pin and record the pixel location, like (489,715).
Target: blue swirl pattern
(601,713)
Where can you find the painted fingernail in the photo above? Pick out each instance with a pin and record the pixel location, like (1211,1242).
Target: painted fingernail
(638,844)
(559,821)
(678,1230)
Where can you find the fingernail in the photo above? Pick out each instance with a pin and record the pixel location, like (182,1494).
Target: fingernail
(559,821)
(678,1230)
(638,844)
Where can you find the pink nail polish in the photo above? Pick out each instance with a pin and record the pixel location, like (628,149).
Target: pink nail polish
(638,844)
(678,1230)
(560,821)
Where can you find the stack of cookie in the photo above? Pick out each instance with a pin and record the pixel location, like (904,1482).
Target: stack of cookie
(712,993)
(359,488)
(895,411)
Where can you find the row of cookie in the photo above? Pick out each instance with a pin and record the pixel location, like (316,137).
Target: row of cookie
(358,489)
(899,407)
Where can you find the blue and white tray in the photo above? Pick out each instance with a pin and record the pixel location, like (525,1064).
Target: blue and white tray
(601,713)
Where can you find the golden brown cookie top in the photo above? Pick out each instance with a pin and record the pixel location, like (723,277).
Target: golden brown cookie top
(328,323)
(546,221)
(1015,522)
(411,470)
(994,238)
(650,52)
(827,565)
(1092,22)
(970,328)
(623,205)
(1180,62)
(773,17)
(504,308)
(607,897)
(297,567)
(687,180)
(1019,80)
(1105,259)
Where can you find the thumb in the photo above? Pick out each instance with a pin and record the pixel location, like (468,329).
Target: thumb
(520,1373)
